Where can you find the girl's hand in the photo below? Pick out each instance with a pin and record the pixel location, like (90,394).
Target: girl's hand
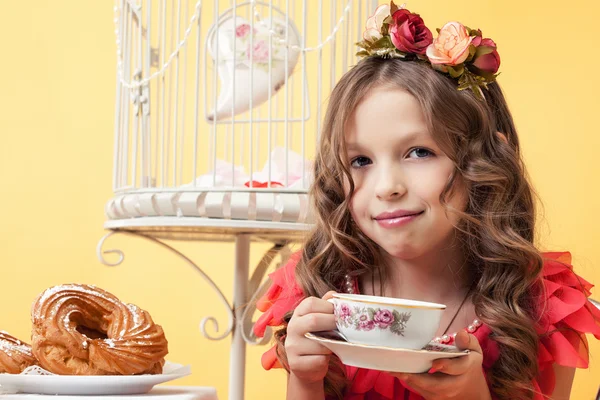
(309,360)
(456,378)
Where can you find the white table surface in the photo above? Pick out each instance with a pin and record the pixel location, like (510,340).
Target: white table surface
(158,393)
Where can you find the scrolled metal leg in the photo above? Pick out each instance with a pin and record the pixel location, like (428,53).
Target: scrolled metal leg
(100,253)
(242,309)
(211,283)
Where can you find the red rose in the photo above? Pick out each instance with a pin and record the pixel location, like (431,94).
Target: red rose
(409,33)
(486,57)
(383,318)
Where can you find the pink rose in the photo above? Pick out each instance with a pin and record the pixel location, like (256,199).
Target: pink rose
(409,33)
(365,324)
(476,37)
(242,30)
(372,32)
(451,47)
(344,311)
(486,57)
(383,318)
(260,51)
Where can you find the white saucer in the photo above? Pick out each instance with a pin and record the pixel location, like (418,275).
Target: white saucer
(89,385)
(386,358)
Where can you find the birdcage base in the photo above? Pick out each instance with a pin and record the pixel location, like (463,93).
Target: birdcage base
(210,214)
(210,229)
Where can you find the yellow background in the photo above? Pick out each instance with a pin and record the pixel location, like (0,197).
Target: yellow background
(56,123)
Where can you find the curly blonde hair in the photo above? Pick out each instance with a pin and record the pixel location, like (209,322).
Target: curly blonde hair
(496,229)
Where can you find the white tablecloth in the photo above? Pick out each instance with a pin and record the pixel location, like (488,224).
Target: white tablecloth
(158,393)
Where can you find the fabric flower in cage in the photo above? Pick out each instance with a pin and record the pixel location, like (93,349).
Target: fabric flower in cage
(458,51)
(225,174)
(275,168)
(274,173)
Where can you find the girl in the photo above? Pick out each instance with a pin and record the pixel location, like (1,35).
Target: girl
(420,193)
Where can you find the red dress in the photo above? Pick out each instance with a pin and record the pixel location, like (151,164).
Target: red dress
(566,306)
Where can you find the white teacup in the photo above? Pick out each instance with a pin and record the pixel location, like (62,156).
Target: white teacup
(386,321)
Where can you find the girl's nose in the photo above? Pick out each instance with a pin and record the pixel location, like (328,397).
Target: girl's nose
(390,185)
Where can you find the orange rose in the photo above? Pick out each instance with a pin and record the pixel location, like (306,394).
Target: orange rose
(451,47)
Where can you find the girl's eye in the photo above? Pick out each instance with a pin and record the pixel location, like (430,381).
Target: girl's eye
(420,152)
(360,162)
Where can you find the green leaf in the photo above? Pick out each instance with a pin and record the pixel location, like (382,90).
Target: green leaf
(483,50)
(371,312)
(472,82)
(488,76)
(385,29)
(440,67)
(363,53)
(396,315)
(397,328)
(393,7)
(405,317)
(472,51)
(388,20)
(456,71)
(384,42)
(482,76)
(473,32)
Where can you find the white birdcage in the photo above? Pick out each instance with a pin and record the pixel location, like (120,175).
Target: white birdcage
(218,108)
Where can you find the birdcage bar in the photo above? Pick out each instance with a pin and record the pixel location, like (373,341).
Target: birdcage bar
(304,91)
(197,101)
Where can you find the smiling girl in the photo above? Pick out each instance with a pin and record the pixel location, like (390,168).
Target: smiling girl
(420,193)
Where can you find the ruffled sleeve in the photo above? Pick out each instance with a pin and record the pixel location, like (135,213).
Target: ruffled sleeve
(566,316)
(283,296)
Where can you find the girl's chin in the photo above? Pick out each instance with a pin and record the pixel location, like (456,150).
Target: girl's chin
(403,253)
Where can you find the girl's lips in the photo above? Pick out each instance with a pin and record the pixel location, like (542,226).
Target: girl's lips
(395,221)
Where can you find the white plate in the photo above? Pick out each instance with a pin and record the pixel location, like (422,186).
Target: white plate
(89,385)
(386,358)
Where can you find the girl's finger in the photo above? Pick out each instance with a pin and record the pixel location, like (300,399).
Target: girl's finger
(310,363)
(306,347)
(465,341)
(313,305)
(313,322)
(329,295)
(458,365)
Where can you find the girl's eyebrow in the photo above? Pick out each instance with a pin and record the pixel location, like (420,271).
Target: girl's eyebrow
(406,138)
(352,146)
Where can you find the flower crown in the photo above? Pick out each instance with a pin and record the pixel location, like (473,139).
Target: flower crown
(458,51)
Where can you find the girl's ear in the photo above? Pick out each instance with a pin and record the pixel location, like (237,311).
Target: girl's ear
(502,137)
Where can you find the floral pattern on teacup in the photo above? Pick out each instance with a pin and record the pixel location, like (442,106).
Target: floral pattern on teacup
(369,318)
